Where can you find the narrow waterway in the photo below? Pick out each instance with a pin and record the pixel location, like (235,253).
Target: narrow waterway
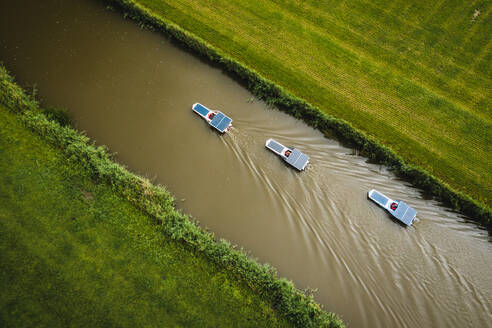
(132,90)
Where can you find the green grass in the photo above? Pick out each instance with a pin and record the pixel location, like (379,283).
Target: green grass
(85,242)
(416,75)
(73,253)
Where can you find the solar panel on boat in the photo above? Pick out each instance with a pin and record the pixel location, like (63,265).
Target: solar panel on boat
(379,198)
(302,161)
(275,146)
(224,123)
(200,109)
(220,122)
(404,213)
(217,119)
(294,156)
(297,159)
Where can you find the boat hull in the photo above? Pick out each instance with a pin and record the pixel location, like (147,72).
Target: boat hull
(398,209)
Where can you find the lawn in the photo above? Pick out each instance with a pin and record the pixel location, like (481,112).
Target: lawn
(416,75)
(74,253)
(85,242)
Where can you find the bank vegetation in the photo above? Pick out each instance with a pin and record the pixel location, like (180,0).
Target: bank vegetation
(84,242)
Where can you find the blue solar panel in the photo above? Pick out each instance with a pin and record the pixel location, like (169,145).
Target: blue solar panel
(379,198)
(220,122)
(217,119)
(200,109)
(224,124)
(275,146)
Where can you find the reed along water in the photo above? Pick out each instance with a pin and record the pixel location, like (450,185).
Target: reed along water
(132,90)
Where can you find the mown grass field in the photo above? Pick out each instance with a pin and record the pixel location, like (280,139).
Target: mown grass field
(416,75)
(73,253)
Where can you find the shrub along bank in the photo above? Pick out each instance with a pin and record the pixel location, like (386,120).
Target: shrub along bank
(85,242)
(158,15)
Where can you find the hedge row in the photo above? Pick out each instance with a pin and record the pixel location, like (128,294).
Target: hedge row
(275,95)
(297,307)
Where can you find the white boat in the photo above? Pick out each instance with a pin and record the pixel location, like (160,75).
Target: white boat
(216,119)
(292,156)
(396,208)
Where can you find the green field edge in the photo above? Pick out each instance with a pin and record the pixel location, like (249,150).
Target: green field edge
(298,307)
(330,126)
(76,254)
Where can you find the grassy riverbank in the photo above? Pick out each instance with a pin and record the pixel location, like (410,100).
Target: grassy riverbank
(413,76)
(83,242)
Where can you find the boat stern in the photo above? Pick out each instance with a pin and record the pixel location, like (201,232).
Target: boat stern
(221,122)
(404,213)
(297,159)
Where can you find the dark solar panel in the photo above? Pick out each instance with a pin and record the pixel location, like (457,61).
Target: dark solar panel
(275,146)
(202,110)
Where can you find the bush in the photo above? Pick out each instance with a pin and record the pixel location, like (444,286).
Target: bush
(59,115)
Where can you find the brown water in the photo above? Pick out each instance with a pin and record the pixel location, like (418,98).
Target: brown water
(132,90)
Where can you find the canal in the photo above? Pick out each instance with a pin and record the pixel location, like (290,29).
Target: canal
(132,90)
